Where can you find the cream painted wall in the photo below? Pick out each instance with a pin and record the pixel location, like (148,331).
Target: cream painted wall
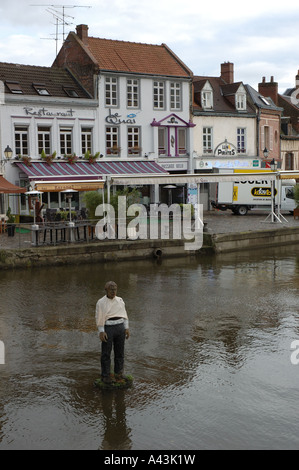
(225,128)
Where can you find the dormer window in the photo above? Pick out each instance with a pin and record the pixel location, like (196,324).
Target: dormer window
(14,87)
(41,89)
(207,96)
(241,99)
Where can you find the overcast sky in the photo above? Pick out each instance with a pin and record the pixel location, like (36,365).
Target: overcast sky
(261,38)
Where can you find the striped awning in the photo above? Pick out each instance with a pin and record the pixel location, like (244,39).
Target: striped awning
(78,171)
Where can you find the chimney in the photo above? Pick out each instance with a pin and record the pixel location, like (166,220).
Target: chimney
(297,80)
(227,72)
(82,33)
(269,89)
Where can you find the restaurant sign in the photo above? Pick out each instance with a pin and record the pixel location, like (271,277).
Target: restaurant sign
(43,112)
(225,149)
(116,119)
(80,186)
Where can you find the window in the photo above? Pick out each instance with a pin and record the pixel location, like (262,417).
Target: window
(21,140)
(175,96)
(267,137)
(290,194)
(14,87)
(289,161)
(182,141)
(159,92)
(241,140)
(162,141)
(207,140)
(86,140)
(41,89)
(134,141)
(112,141)
(66,141)
(44,140)
(111,91)
(241,101)
(132,93)
(207,96)
(207,99)
(264,100)
(71,92)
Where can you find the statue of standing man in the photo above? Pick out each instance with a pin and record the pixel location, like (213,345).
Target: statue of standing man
(113,326)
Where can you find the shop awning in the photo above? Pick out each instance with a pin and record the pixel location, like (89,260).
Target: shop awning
(289,175)
(8,188)
(78,171)
(197,178)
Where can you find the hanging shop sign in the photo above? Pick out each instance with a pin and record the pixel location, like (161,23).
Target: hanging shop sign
(225,149)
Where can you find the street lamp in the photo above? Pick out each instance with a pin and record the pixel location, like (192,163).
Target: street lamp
(8,153)
(265,152)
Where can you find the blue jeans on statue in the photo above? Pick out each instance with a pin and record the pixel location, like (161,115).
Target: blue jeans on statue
(115,341)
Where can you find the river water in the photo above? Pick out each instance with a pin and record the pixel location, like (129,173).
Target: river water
(210,352)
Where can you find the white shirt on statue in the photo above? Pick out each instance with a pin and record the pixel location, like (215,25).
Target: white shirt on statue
(109,308)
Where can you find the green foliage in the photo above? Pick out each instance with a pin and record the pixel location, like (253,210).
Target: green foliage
(92,199)
(117,385)
(43,155)
(296,194)
(65,215)
(10,218)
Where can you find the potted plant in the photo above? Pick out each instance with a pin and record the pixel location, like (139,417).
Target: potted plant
(91,158)
(25,159)
(48,158)
(71,158)
(115,150)
(10,223)
(135,150)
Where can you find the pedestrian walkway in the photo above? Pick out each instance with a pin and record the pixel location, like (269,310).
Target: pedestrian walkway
(227,222)
(216,222)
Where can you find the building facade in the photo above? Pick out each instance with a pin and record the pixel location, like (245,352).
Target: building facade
(225,133)
(289,130)
(144,96)
(43,112)
(225,136)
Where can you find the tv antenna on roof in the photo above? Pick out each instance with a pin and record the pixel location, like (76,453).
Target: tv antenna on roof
(61,18)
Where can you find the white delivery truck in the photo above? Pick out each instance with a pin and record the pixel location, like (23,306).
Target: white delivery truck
(242,196)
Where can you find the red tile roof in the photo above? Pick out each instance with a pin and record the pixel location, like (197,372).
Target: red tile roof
(132,57)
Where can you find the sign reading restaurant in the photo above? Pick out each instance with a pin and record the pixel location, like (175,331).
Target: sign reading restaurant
(43,112)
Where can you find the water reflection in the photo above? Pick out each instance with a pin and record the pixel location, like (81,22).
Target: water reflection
(116,431)
(209,351)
